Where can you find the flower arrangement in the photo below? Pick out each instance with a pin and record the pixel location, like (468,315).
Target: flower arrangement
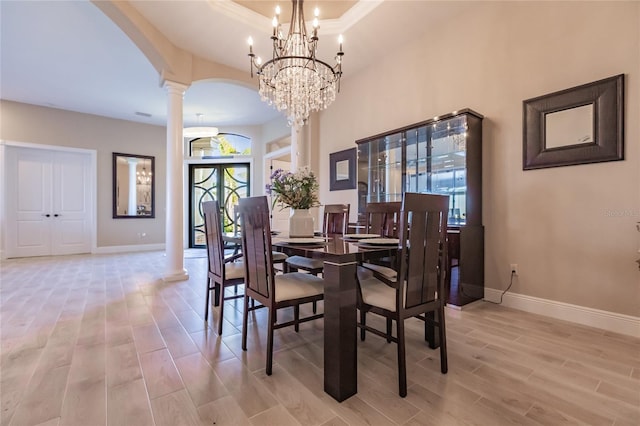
(297,190)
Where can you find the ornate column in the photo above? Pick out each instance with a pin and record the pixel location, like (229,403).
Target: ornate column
(175,201)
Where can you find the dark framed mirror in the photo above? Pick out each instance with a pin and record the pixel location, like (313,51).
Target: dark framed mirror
(133,186)
(580,125)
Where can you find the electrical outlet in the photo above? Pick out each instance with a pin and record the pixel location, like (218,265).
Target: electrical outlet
(514,268)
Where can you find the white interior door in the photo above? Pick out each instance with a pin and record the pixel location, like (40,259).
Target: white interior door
(48,196)
(28,202)
(71,192)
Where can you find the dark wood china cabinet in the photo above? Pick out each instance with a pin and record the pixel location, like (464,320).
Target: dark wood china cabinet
(442,155)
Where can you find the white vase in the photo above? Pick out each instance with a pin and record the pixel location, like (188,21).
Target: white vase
(300,223)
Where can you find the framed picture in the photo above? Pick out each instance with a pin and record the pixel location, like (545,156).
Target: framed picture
(342,170)
(584,124)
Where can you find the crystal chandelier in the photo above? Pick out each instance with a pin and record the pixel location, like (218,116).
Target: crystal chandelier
(143,177)
(294,80)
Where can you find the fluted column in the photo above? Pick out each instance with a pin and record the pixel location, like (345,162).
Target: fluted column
(174,270)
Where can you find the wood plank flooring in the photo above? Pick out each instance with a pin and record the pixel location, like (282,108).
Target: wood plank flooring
(101,340)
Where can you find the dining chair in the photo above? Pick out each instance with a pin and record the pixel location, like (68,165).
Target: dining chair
(223,271)
(418,289)
(278,257)
(335,222)
(383,218)
(262,284)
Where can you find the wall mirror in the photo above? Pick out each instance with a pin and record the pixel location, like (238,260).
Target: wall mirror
(342,170)
(133,186)
(580,125)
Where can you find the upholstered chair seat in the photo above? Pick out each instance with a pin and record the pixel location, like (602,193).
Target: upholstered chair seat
(297,285)
(306,264)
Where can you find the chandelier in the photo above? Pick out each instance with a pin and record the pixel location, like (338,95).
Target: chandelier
(144,177)
(294,80)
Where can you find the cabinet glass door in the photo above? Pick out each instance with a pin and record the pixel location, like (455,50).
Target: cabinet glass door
(385,169)
(417,172)
(446,155)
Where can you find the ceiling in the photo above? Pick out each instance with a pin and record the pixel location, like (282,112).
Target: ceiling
(69,55)
(330,9)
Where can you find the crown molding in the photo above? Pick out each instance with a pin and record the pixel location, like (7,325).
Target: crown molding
(329,26)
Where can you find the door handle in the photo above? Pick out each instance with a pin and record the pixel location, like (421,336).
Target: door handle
(56,215)
(46,215)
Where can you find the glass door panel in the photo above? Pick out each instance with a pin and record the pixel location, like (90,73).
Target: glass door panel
(393,167)
(385,164)
(448,165)
(416,172)
(235,186)
(364,178)
(204,187)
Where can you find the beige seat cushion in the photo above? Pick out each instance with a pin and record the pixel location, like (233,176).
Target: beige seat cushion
(234,270)
(392,274)
(297,285)
(279,256)
(302,262)
(377,293)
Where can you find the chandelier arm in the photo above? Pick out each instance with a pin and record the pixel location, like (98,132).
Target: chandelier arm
(284,58)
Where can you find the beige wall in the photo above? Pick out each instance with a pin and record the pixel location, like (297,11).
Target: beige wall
(571,230)
(48,126)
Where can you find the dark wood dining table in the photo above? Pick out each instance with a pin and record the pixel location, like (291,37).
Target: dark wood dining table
(340,351)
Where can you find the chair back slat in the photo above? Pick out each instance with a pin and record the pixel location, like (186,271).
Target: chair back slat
(213,232)
(236,220)
(383,219)
(256,246)
(336,219)
(422,248)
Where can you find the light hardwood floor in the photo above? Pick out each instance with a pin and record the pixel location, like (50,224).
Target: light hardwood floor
(95,340)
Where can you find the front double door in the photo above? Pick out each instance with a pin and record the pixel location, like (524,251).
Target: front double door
(226,183)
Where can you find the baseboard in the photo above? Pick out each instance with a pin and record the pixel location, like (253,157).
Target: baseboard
(611,321)
(464,307)
(127,249)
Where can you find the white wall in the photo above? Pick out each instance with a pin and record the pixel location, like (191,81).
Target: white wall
(571,229)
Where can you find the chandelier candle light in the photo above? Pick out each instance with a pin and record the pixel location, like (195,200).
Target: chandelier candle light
(295,81)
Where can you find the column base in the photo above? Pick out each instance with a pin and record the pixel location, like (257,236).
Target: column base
(182,275)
